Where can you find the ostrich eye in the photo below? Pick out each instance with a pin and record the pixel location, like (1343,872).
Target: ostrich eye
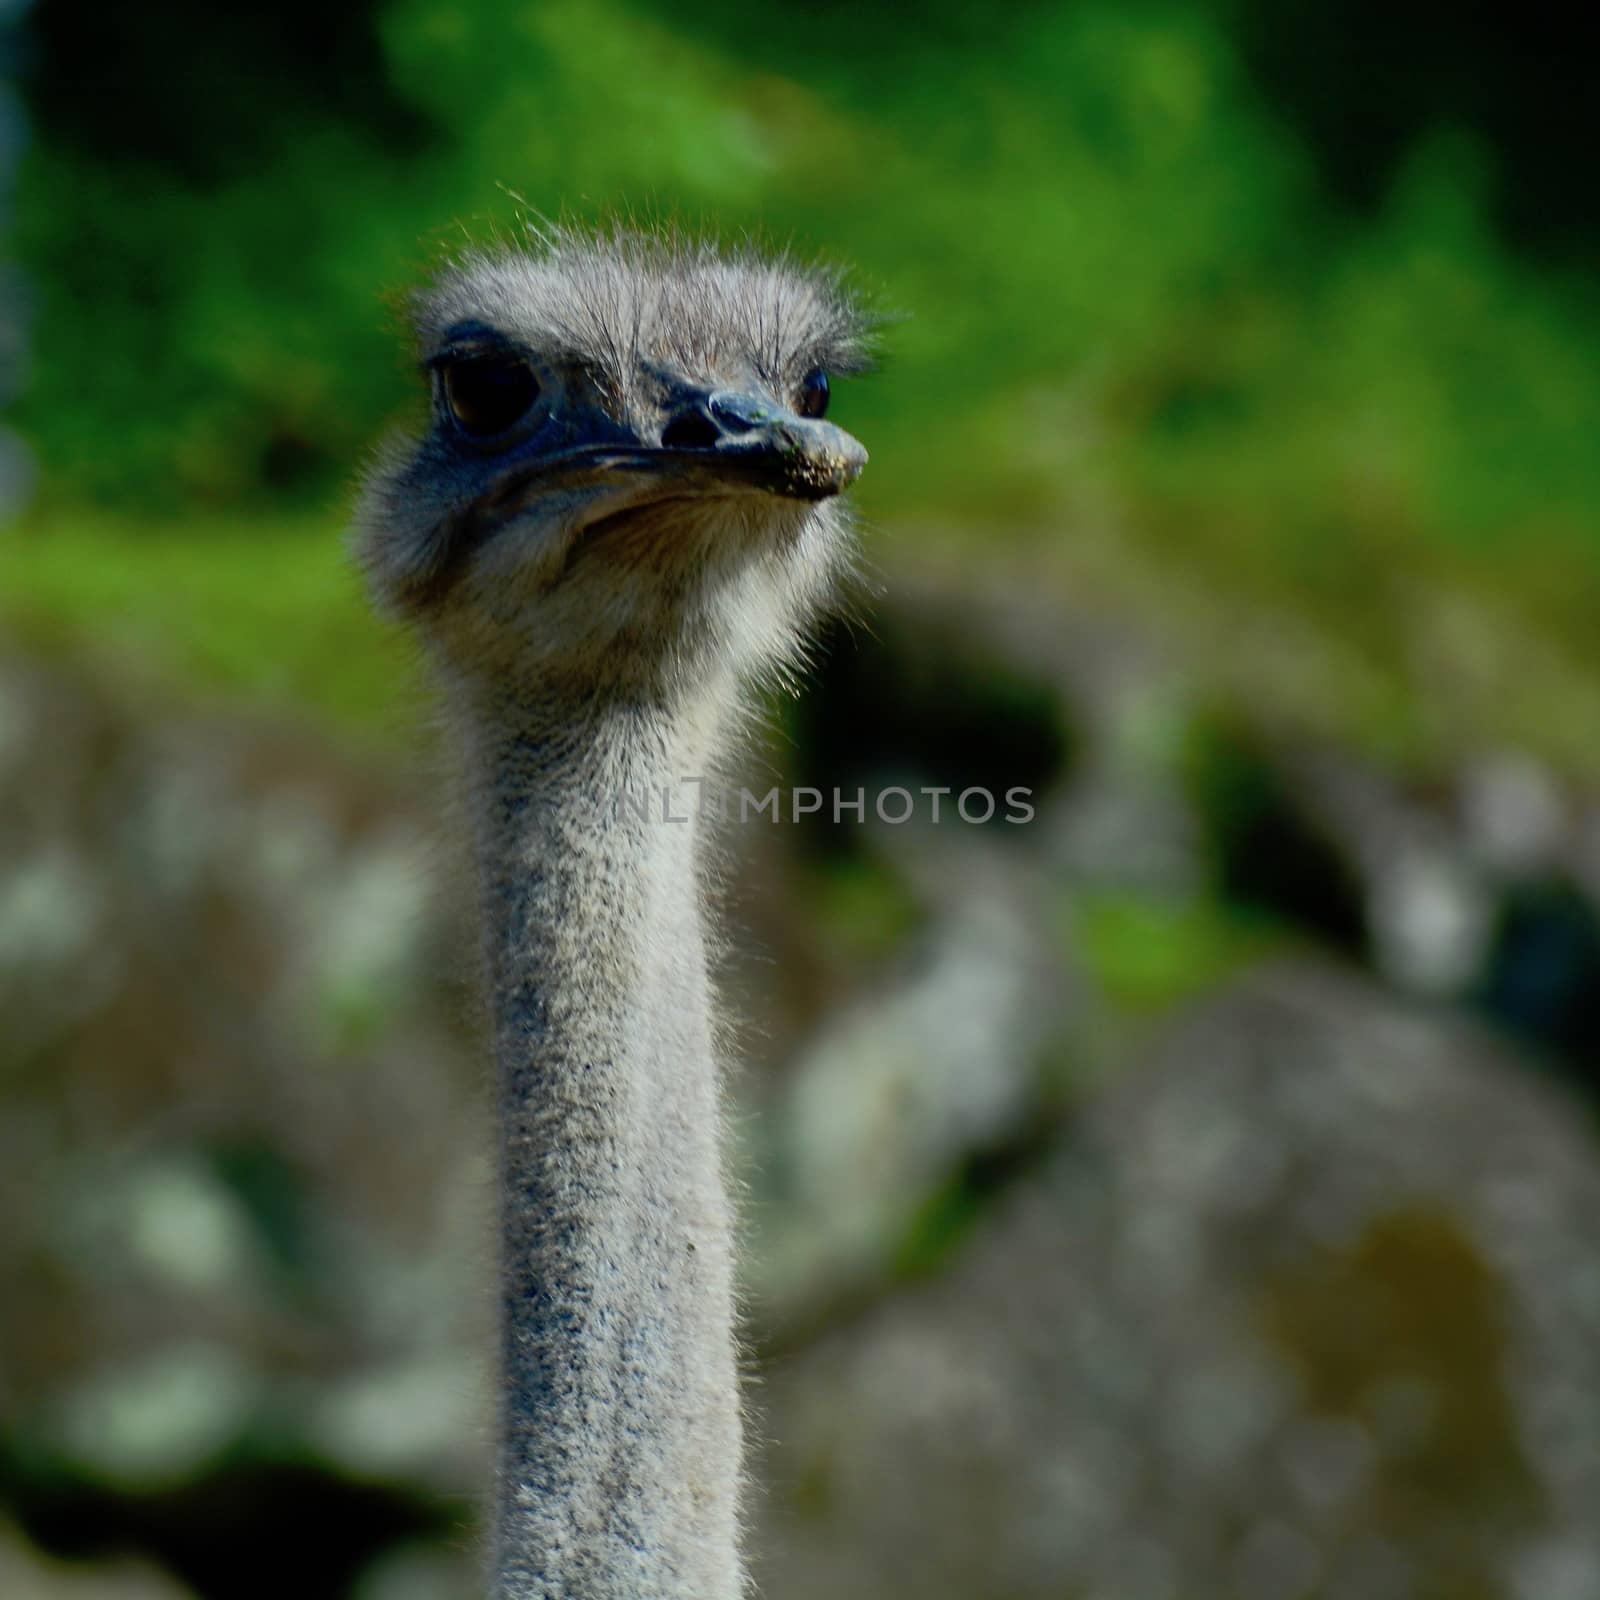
(813,399)
(486,394)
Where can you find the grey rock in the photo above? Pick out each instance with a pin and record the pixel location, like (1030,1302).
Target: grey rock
(1305,1306)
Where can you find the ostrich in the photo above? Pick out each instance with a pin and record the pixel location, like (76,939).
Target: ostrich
(623,510)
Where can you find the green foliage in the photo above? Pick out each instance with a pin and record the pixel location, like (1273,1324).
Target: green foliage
(267,612)
(1146,953)
(863,910)
(1117,299)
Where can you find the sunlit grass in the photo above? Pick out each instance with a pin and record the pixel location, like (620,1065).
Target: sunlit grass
(266,611)
(1413,652)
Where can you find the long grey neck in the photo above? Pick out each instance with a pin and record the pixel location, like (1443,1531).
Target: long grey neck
(619,1429)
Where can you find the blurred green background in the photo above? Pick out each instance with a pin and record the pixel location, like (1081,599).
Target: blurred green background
(1234,485)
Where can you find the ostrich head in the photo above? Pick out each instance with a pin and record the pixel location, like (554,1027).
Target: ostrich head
(627,480)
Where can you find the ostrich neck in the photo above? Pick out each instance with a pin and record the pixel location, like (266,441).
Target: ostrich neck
(619,1432)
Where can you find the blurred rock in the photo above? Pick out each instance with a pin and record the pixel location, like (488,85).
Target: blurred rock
(1061,1291)
(25,1574)
(156,1421)
(1308,1306)
(892,1096)
(419,1572)
(1514,815)
(241,1160)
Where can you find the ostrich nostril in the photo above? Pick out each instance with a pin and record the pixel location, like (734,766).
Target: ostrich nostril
(739,413)
(693,430)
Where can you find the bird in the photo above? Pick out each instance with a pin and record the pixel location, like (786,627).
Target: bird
(621,516)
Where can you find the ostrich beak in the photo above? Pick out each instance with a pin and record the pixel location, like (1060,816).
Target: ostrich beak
(717,446)
(741,439)
(798,457)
